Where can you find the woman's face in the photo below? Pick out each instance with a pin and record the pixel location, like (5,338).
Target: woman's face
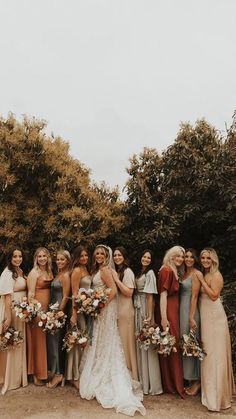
(83,258)
(16,259)
(146,259)
(42,258)
(178,259)
(61,262)
(206,261)
(189,259)
(100,255)
(118,257)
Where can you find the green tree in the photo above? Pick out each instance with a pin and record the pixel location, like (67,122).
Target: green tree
(46,196)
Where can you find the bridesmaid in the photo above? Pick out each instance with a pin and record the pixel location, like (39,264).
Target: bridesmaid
(80,278)
(189,317)
(216,368)
(125,282)
(148,360)
(13,363)
(60,290)
(39,282)
(167,314)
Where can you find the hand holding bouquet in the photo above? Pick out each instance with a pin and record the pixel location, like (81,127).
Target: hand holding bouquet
(191,346)
(10,339)
(26,310)
(73,337)
(163,342)
(91,302)
(53,320)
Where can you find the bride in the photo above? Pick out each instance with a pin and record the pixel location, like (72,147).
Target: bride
(104,372)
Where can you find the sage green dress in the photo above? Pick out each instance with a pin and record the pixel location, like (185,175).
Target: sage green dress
(148,360)
(74,356)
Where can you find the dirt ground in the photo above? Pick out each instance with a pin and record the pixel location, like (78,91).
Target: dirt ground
(64,403)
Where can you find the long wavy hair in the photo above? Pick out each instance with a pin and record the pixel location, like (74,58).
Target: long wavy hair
(148,268)
(169,256)
(9,261)
(214,258)
(49,261)
(120,269)
(76,257)
(105,250)
(195,257)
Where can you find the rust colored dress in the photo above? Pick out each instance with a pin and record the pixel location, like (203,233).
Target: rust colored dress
(36,338)
(171,366)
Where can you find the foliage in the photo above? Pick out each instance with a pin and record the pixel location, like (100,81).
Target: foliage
(46,196)
(185,196)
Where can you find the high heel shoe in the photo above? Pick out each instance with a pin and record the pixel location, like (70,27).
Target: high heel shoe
(75,383)
(37,381)
(194,389)
(57,379)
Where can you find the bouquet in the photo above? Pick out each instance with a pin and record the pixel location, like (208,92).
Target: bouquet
(73,337)
(191,346)
(163,342)
(10,339)
(26,310)
(91,302)
(53,320)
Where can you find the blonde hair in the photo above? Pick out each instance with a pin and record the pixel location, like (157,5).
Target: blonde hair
(214,258)
(49,261)
(169,256)
(64,253)
(106,253)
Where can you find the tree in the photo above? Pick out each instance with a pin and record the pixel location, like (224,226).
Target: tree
(46,196)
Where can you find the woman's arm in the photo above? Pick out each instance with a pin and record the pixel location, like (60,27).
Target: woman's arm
(213,291)
(31,283)
(196,285)
(108,279)
(65,290)
(149,298)
(126,291)
(163,308)
(8,304)
(76,276)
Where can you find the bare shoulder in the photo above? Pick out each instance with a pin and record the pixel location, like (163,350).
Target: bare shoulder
(197,275)
(33,273)
(217,276)
(65,276)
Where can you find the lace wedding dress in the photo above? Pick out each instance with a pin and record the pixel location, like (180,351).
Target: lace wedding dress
(104,372)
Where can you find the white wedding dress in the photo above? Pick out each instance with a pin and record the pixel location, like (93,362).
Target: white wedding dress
(104,372)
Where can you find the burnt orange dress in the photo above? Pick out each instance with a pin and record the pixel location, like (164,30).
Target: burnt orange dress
(171,366)
(36,338)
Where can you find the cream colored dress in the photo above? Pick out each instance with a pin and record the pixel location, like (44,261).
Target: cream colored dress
(216,368)
(74,356)
(13,365)
(126,325)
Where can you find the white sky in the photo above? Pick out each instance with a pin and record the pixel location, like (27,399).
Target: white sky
(113,76)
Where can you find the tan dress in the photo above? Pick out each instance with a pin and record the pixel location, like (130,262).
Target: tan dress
(126,325)
(74,356)
(13,362)
(216,368)
(36,338)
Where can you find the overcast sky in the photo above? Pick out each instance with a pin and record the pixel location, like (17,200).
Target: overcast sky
(113,76)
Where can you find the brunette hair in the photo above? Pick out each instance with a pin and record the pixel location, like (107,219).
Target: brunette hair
(9,261)
(76,256)
(121,268)
(149,267)
(195,256)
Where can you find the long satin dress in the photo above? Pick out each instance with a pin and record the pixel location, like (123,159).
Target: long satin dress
(171,366)
(126,324)
(13,365)
(36,338)
(148,360)
(191,365)
(56,356)
(217,382)
(74,356)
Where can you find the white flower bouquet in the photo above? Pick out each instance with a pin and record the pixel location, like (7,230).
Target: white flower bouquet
(10,339)
(26,310)
(191,346)
(91,302)
(53,320)
(74,337)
